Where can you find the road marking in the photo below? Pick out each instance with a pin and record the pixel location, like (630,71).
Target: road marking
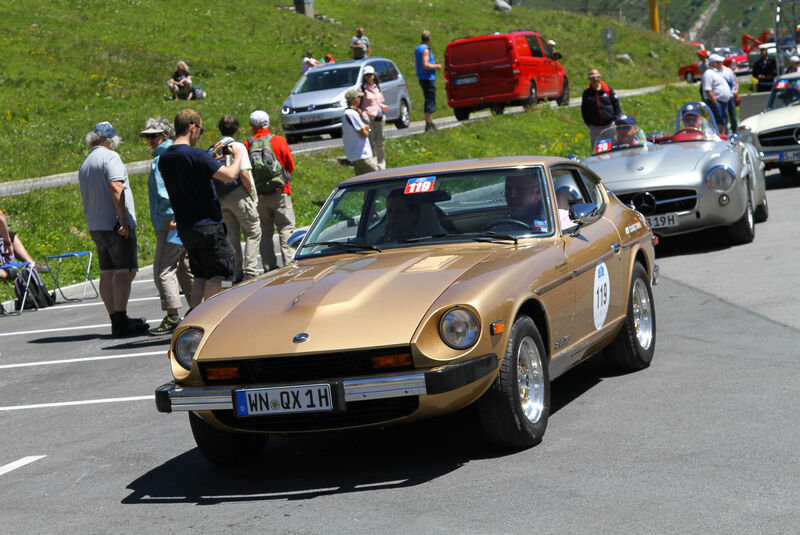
(82,359)
(20,463)
(73,403)
(62,306)
(61,329)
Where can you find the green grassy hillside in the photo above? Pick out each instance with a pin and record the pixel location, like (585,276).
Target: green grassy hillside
(69,64)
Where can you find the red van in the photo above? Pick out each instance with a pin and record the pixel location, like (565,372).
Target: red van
(492,71)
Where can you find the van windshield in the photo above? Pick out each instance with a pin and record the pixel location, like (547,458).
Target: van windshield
(321,79)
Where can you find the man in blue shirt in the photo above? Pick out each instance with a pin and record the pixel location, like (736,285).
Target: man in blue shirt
(426,73)
(187,172)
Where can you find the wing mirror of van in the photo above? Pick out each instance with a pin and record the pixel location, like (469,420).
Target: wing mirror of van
(557,55)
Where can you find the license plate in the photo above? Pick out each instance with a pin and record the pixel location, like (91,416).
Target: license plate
(311,118)
(283,399)
(791,156)
(663,220)
(464,80)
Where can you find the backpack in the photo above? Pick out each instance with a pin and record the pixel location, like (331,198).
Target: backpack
(37,291)
(198,93)
(267,170)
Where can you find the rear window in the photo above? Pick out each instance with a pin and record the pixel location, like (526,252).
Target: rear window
(478,51)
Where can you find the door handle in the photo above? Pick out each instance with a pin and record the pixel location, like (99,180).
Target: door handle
(615,247)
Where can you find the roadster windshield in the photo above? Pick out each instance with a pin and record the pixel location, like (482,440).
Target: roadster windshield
(488,205)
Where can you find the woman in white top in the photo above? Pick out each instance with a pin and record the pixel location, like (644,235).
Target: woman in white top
(373,107)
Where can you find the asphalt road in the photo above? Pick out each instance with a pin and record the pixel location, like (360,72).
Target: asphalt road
(703,441)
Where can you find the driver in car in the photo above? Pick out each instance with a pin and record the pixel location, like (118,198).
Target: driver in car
(524,200)
(691,118)
(626,131)
(402,216)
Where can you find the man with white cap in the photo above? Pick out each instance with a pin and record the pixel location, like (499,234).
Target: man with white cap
(111,218)
(274,203)
(716,91)
(794,65)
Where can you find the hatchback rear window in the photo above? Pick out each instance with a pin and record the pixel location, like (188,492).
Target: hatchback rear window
(478,51)
(319,80)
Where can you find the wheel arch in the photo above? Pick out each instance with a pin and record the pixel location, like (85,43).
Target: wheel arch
(535,311)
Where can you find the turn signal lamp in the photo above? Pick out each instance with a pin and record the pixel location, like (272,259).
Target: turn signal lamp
(497,327)
(219,374)
(400,360)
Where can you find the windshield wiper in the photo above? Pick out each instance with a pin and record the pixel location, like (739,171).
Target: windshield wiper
(477,236)
(345,245)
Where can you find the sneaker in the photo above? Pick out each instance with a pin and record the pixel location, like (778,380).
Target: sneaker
(41,268)
(430,127)
(128,327)
(167,326)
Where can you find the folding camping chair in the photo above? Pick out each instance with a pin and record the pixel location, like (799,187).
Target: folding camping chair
(87,267)
(18,266)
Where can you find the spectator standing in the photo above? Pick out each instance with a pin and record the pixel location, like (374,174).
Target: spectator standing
(329,58)
(794,65)
(274,207)
(599,106)
(426,74)
(239,204)
(373,107)
(765,70)
(355,135)
(716,91)
(171,263)
(187,172)
(308,61)
(360,45)
(111,218)
(733,83)
(180,85)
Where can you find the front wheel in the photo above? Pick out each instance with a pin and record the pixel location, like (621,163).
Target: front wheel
(225,448)
(762,211)
(744,230)
(533,98)
(291,139)
(462,114)
(563,98)
(515,409)
(689,77)
(635,344)
(497,109)
(405,116)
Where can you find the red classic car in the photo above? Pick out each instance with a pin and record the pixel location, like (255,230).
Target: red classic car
(734,58)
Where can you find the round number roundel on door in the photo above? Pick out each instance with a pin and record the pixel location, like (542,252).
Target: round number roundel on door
(602,295)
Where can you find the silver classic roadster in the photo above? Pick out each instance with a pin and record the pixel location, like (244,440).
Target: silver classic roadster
(689,180)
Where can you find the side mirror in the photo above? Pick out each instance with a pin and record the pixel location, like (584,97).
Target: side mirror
(580,211)
(572,156)
(295,239)
(557,55)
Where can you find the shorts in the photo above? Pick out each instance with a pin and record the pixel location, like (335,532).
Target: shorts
(115,253)
(429,91)
(211,255)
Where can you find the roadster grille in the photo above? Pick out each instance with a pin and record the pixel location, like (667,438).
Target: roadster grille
(779,138)
(302,368)
(359,413)
(663,201)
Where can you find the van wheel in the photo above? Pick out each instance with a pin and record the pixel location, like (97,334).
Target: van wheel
(462,114)
(563,98)
(225,448)
(689,77)
(405,117)
(497,110)
(532,99)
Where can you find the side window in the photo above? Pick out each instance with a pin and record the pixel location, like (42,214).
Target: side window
(384,71)
(548,52)
(593,188)
(521,45)
(533,43)
(568,188)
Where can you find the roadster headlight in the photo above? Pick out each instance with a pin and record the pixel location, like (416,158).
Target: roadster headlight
(459,328)
(186,346)
(720,178)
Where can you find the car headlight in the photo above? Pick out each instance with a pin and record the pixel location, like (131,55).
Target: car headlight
(720,178)
(343,103)
(286,110)
(186,346)
(459,328)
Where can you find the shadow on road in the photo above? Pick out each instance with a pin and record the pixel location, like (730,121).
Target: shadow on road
(304,467)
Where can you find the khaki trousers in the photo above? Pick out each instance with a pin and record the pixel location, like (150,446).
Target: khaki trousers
(275,210)
(171,272)
(240,212)
(367,165)
(376,140)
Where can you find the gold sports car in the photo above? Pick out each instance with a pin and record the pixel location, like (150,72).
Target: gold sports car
(418,291)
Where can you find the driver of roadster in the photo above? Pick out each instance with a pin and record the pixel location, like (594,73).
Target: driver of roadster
(691,117)
(626,131)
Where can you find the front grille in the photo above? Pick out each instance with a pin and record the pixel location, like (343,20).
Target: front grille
(303,368)
(779,138)
(314,107)
(355,414)
(315,124)
(666,200)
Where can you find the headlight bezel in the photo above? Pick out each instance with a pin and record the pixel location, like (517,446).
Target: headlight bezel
(720,178)
(185,346)
(459,328)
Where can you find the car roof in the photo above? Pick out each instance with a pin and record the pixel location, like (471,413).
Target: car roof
(474,164)
(493,35)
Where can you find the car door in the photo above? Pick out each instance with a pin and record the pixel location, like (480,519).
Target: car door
(537,67)
(550,69)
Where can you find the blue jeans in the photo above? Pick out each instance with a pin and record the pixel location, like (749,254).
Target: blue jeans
(732,115)
(720,111)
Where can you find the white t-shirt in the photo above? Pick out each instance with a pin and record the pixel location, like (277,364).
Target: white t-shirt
(356,146)
(308,63)
(714,81)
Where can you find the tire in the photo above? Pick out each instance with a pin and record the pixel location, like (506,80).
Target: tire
(497,109)
(744,230)
(223,448)
(563,98)
(762,211)
(789,170)
(514,411)
(689,77)
(336,134)
(291,139)
(462,114)
(635,344)
(533,98)
(405,116)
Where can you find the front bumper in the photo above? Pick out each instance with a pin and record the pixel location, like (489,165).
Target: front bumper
(174,397)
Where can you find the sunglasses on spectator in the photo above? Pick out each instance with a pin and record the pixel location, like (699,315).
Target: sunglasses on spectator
(200,127)
(151,136)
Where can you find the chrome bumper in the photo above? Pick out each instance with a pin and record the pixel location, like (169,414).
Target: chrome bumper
(174,397)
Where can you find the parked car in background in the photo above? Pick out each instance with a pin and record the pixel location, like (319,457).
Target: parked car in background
(775,132)
(689,180)
(416,292)
(316,104)
(692,72)
(735,58)
(498,70)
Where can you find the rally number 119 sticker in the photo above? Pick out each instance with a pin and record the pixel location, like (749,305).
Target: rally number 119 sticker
(602,295)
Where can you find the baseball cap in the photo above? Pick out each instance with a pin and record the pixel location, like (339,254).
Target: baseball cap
(625,119)
(702,53)
(715,57)
(259,118)
(104,129)
(691,109)
(369,69)
(351,94)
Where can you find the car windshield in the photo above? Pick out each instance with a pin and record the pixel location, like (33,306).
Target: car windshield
(488,205)
(329,78)
(785,92)
(619,137)
(694,122)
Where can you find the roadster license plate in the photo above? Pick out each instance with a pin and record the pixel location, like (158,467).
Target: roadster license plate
(464,80)
(791,156)
(663,220)
(283,399)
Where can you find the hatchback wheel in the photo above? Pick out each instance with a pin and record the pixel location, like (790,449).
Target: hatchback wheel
(405,116)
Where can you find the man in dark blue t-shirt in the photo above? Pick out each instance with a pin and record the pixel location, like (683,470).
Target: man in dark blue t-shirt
(187,173)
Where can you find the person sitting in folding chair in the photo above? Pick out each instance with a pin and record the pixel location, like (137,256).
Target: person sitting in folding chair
(12,250)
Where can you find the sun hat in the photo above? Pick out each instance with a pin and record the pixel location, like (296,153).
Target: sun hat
(369,69)
(152,130)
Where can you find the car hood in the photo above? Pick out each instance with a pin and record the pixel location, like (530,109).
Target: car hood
(317,98)
(341,303)
(769,120)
